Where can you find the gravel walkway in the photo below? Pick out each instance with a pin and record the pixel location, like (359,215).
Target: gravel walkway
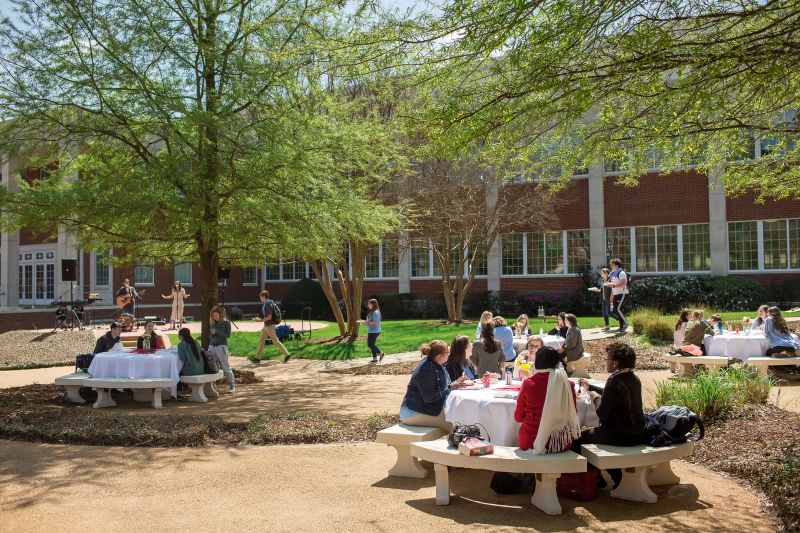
(29,349)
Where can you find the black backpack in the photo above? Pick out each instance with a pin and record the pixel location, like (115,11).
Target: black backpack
(672,424)
(211,362)
(277,316)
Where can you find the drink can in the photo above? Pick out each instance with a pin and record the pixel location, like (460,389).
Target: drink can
(486,380)
(508,376)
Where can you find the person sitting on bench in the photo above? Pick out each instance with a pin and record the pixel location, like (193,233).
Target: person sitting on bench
(107,341)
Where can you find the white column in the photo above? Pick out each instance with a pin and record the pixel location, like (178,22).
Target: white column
(494,258)
(717,222)
(597,217)
(9,245)
(404,264)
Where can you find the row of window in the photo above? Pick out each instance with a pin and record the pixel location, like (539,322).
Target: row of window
(764,245)
(543,253)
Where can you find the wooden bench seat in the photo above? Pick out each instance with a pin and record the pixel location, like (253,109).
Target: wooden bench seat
(641,466)
(73,383)
(685,363)
(548,468)
(202,385)
(103,386)
(762,364)
(400,437)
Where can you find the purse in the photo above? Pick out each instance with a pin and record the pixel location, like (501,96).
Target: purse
(83,361)
(581,486)
(460,432)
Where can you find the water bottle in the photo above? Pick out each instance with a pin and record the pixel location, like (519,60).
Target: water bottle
(508,375)
(541,331)
(146,343)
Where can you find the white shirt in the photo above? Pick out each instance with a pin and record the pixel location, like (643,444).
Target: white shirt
(619,281)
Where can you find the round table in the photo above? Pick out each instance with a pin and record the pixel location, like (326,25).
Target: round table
(497,414)
(738,346)
(124,364)
(554,341)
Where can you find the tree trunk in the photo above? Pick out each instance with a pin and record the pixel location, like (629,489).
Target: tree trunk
(325,281)
(209,289)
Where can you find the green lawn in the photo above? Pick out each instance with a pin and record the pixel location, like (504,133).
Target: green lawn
(397,336)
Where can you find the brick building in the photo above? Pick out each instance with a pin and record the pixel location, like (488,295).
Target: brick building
(679,223)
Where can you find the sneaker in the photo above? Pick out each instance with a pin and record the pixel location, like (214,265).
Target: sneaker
(286,359)
(254,360)
(231,388)
(622,328)
(372,362)
(381,356)
(605,328)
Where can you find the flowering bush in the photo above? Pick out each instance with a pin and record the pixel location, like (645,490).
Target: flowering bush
(669,294)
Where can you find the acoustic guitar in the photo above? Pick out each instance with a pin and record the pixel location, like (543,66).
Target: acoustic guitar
(125,299)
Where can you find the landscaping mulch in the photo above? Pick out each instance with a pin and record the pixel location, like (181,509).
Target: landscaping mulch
(762,449)
(393,369)
(42,413)
(30,349)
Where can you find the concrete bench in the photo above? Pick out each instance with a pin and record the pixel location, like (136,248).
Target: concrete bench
(762,364)
(548,468)
(202,385)
(641,466)
(580,368)
(73,383)
(103,386)
(400,437)
(686,363)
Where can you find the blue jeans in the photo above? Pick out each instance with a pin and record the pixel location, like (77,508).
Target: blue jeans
(605,309)
(371,338)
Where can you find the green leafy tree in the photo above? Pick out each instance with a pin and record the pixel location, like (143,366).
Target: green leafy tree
(560,82)
(202,130)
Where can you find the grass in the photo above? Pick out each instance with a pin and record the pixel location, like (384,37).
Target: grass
(397,336)
(716,395)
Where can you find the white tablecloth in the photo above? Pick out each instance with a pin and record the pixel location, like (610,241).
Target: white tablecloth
(554,341)
(123,364)
(497,414)
(739,346)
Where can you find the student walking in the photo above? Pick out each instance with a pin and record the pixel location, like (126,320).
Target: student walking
(373,323)
(268,330)
(618,281)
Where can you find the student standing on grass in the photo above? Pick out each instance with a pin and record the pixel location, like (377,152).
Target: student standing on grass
(268,330)
(218,344)
(373,323)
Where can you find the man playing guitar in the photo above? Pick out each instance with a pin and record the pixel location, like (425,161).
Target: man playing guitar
(126,298)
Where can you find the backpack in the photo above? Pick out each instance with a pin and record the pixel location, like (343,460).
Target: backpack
(670,425)
(211,362)
(460,432)
(277,316)
(510,483)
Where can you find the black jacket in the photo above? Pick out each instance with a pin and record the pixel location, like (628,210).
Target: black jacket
(105,343)
(620,410)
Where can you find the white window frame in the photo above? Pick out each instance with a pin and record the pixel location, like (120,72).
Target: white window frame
(255,284)
(145,283)
(175,277)
(760,237)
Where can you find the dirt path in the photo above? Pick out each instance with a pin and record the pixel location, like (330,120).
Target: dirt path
(316,488)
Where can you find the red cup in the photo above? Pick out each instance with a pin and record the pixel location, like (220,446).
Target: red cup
(486,380)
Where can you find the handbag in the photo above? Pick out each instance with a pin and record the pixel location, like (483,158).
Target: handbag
(211,363)
(581,486)
(460,432)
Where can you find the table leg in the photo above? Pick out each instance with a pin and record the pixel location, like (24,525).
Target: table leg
(545,497)
(104,399)
(662,474)
(442,484)
(634,486)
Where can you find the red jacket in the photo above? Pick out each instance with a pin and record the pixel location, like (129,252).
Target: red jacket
(529,407)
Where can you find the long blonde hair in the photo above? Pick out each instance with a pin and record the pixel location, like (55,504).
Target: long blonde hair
(216,309)
(486,317)
(518,324)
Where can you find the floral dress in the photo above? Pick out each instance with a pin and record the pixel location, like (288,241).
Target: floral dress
(177,305)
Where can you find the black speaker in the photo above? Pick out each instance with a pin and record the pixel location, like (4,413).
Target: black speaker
(69,270)
(224,272)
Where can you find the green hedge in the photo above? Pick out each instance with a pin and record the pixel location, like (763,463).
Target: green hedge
(306,293)
(669,294)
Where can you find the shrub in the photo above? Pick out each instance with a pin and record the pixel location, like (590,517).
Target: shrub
(396,306)
(785,291)
(715,395)
(671,293)
(653,325)
(306,293)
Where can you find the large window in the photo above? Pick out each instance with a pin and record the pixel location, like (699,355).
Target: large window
(102,269)
(294,269)
(512,249)
(618,244)
(373,261)
(646,249)
(453,254)
(578,259)
(743,245)
(696,248)
(272,271)
(776,245)
(390,260)
(250,275)
(144,274)
(794,243)
(183,273)
(420,259)
(546,253)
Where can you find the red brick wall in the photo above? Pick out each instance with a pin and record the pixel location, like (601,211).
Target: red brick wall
(28,236)
(569,208)
(569,284)
(744,208)
(678,198)
(380,287)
